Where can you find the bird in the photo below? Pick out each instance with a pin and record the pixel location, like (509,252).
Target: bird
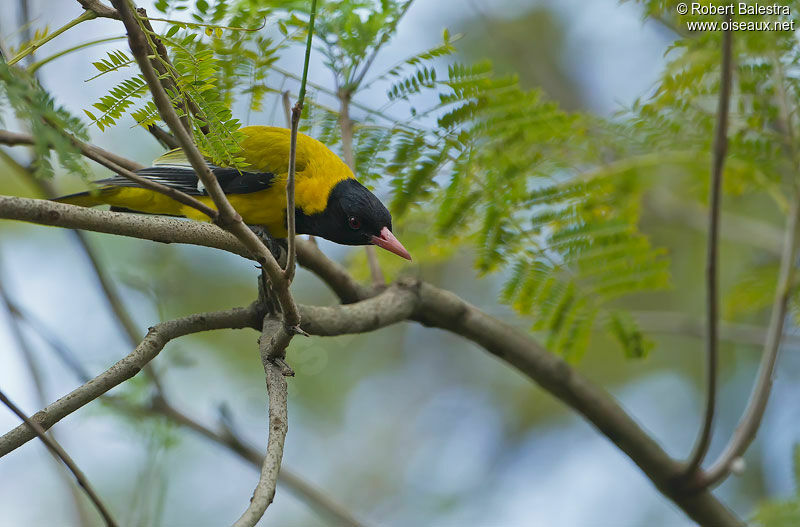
(329,201)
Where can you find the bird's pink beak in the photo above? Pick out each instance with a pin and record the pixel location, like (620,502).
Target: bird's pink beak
(387,241)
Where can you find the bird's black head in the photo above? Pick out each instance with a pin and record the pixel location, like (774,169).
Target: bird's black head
(353,216)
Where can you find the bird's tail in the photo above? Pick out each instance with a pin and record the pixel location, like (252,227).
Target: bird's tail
(82,199)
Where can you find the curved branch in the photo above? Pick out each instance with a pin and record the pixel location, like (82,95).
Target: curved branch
(397,303)
(172,230)
(158,336)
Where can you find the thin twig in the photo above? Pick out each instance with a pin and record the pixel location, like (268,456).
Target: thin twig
(33,46)
(59,452)
(291,251)
(33,68)
(751,419)
(297,111)
(712,263)
(388,32)
(162,136)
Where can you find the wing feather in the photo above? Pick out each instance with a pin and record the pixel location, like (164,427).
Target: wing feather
(185,179)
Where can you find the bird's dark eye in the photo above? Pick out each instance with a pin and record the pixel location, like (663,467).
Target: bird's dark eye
(354,222)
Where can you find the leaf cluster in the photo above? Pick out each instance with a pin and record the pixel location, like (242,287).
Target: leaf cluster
(49,124)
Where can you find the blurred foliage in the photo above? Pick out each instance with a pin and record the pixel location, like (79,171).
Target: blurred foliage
(782,513)
(49,123)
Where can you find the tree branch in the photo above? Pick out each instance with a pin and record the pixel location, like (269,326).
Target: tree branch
(61,454)
(712,295)
(439,308)
(155,228)
(163,137)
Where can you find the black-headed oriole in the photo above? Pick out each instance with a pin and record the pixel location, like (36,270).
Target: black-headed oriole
(330,202)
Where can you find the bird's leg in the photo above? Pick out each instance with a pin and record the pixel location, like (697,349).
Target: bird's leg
(275,246)
(278,250)
(265,297)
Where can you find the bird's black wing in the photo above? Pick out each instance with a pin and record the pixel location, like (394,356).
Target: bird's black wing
(185,179)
